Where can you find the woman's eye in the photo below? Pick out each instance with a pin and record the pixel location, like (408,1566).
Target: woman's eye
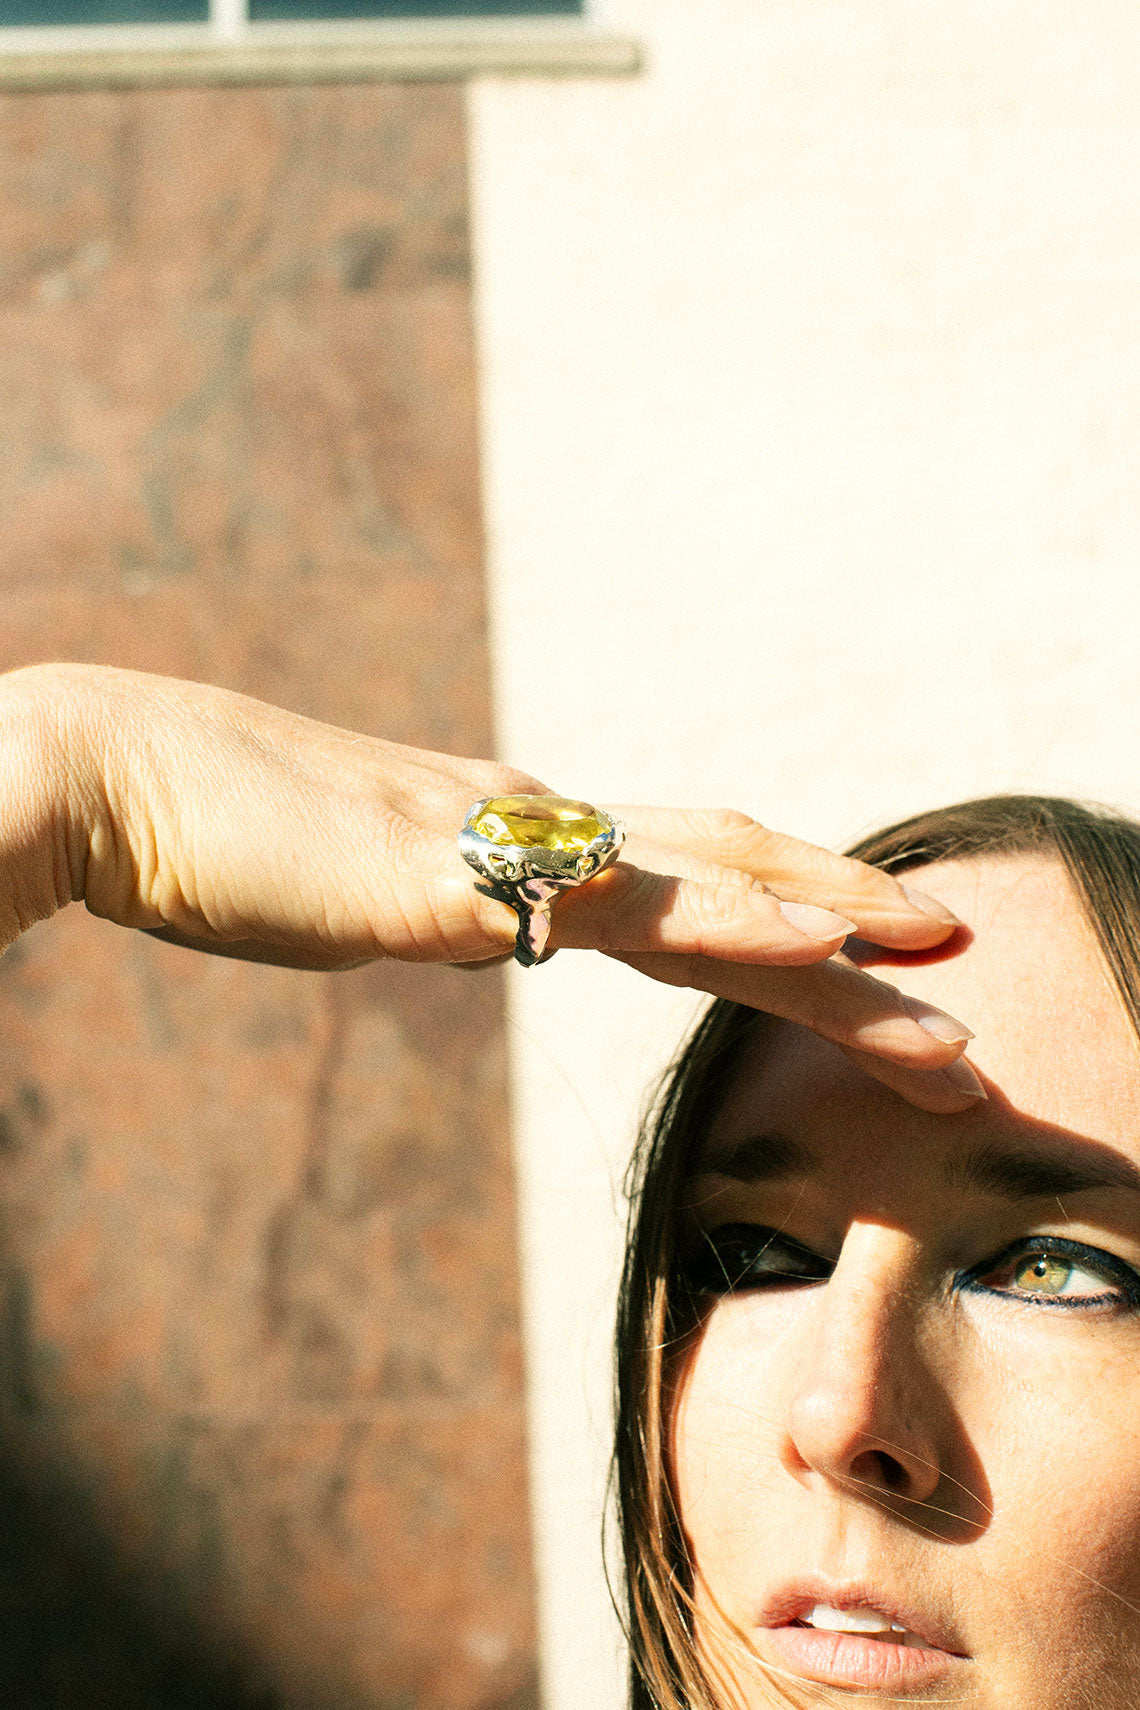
(747,1255)
(1054,1270)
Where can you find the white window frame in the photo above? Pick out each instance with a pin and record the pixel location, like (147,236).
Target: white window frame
(230,49)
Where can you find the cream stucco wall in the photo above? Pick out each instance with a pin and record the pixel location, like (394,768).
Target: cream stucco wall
(811,388)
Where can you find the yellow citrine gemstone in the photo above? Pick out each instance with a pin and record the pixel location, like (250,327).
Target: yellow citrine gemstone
(540,822)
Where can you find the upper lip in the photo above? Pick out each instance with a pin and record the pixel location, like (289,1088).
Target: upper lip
(794,1600)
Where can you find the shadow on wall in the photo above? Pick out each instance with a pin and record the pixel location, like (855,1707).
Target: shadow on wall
(77,1628)
(261,1432)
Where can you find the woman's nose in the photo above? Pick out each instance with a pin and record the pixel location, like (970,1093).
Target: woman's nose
(864,1407)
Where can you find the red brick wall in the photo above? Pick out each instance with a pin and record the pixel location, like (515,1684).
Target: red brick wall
(261,1431)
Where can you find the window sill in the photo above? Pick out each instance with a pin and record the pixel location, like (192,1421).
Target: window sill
(174,56)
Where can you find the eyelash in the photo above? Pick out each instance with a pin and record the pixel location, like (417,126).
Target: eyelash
(709,1267)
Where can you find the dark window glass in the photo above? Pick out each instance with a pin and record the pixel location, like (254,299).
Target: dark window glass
(104,11)
(261,9)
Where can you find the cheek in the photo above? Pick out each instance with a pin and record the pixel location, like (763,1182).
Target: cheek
(1056,1579)
(1065,1476)
(725,1458)
(1055,1422)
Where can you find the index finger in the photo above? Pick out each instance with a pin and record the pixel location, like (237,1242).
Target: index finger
(885,911)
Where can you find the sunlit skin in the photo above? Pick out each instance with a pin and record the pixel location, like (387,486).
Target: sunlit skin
(926,1420)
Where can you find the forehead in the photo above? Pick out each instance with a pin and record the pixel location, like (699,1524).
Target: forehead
(1052,1040)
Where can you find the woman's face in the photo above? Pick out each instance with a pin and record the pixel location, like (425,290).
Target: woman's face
(921,1404)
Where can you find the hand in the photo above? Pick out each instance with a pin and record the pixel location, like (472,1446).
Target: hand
(222,824)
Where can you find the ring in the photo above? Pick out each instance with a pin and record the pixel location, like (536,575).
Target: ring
(527,849)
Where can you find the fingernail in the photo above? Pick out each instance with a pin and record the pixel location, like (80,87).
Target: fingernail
(929,905)
(962,1078)
(937,1021)
(815,922)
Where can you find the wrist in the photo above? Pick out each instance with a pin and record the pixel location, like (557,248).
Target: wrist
(44,754)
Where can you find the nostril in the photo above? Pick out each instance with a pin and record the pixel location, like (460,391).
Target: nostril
(894,1473)
(876,1466)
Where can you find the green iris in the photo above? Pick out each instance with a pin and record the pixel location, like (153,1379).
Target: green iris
(1043,1273)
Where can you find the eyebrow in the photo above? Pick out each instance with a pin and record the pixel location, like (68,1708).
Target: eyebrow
(1014,1173)
(1008,1172)
(760,1158)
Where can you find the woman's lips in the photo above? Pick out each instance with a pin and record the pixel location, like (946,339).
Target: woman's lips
(849,1659)
(920,1654)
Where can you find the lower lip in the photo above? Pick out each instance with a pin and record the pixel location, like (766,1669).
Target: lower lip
(847,1659)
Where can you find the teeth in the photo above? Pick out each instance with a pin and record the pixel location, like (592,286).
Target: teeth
(847,1620)
(851,1621)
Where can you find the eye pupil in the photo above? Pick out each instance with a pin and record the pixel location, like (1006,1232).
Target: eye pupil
(1044,1272)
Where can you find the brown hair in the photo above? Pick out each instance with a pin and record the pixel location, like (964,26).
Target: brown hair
(1101,854)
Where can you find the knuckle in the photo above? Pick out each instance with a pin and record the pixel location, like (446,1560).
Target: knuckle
(722,905)
(871,882)
(489,778)
(739,838)
(728,822)
(708,913)
(744,909)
